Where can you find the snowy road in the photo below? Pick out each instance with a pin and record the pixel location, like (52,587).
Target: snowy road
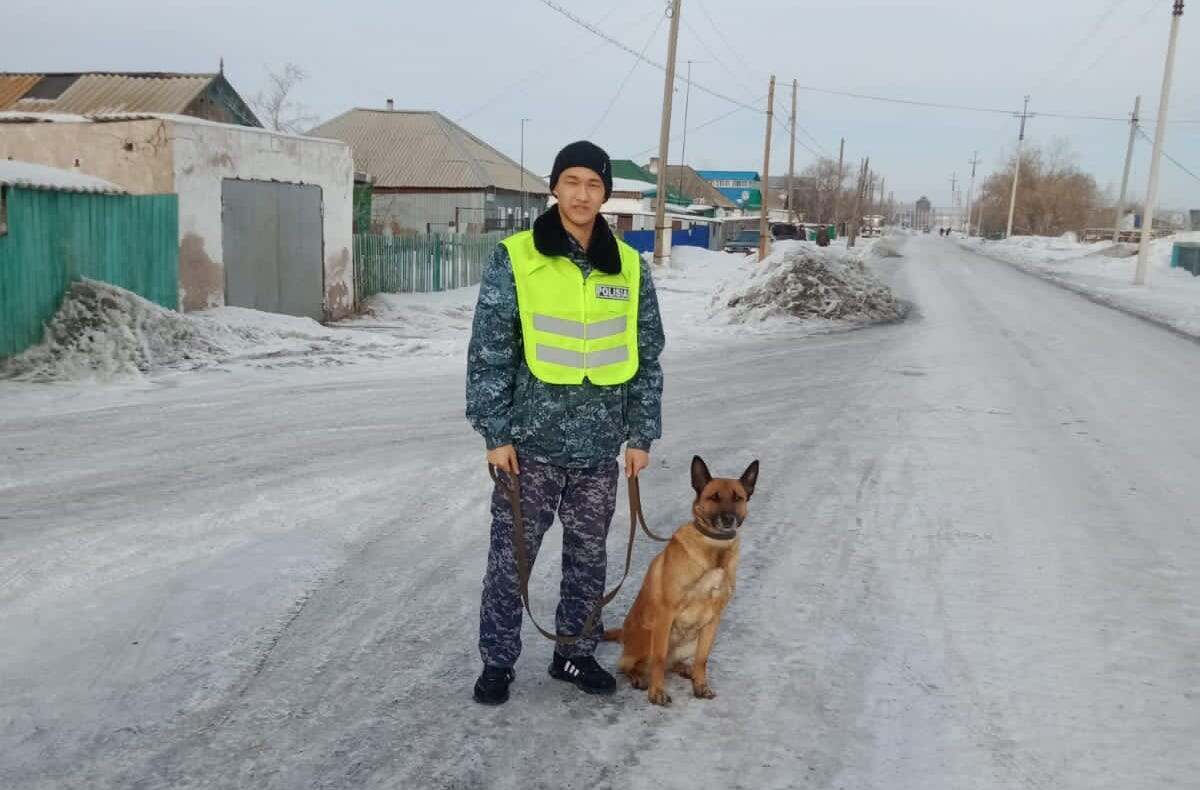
(973,561)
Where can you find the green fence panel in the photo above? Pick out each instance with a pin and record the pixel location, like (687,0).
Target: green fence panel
(53,238)
(419,264)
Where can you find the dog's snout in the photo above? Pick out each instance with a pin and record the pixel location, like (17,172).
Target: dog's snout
(727,520)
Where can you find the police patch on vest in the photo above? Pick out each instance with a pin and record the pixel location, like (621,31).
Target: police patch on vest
(618,292)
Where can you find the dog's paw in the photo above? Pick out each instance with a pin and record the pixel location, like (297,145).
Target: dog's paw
(704,692)
(638,682)
(659,697)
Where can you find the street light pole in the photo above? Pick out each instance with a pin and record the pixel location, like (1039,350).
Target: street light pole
(687,100)
(971,190)
(1160,131)
(664,138)
(523,209)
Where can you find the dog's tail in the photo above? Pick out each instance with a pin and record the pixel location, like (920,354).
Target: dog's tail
(613,635)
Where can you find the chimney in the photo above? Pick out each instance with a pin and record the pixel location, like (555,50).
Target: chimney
(391,105)
(654,165)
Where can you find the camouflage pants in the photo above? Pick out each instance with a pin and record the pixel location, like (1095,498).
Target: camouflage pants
(584,500)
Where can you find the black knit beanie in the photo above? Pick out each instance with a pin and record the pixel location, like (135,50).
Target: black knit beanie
(584,154)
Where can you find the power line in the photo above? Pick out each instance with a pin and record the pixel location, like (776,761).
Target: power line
(596,31)
(713,54)
(1105,15)
(738,79)
(785,126)
(540,71)
(1170,158)
(698,127)
(1124,34)
(637,61)
(737,53)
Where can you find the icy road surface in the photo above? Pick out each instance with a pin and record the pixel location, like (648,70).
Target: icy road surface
(973,561)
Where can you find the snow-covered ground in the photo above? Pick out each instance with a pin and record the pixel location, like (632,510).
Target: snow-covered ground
(1105,272)
(972,561)
(105,333)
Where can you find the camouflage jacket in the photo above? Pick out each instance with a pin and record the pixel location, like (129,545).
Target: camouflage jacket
(567,425)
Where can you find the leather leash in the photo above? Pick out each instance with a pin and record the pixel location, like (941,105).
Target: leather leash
(512,487)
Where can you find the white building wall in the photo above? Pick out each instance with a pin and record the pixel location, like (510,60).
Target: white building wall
(207,153)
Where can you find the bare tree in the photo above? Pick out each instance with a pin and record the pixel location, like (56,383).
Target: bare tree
(275,105)
(1054,196)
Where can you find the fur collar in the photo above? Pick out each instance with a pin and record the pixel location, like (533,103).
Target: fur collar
(551,238)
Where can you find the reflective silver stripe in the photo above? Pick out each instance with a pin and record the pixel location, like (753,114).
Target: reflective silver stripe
(609,356)
(558,326)
(574,359)
(560,356)
(603,329)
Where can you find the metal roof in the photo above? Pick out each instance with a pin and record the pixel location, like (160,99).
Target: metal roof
(424,149)
(695,186)
(728,175)
(14,86)
(29,175)
(90,93)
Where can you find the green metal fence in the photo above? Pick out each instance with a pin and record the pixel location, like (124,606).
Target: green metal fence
(53,238)
(418,264)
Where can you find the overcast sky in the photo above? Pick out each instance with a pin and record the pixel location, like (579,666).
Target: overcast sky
(488,64)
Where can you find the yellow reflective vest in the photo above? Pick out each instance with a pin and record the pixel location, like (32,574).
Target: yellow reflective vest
(575,328)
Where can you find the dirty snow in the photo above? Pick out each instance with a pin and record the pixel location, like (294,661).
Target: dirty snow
(1104,272)
(799,280)
(103,332)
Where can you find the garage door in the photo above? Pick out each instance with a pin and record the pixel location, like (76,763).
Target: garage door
(272,247)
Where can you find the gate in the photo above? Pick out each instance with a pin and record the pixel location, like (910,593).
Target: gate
(271,243)
(696,237)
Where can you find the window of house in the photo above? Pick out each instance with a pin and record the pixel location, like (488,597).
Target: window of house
(3,210)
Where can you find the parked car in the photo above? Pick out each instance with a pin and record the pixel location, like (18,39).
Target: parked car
(746,242)
(782,230)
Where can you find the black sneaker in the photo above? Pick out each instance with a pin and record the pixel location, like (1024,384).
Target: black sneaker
(584,672)
(492,686)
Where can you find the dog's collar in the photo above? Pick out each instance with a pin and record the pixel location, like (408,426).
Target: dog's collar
(700,525)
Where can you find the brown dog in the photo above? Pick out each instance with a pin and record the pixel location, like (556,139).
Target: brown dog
(676,614)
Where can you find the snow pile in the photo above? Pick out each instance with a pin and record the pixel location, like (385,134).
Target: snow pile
(799,280)
(889,246)
(102,332)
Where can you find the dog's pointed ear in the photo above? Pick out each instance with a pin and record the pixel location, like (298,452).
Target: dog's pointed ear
(700,475)
(749,478)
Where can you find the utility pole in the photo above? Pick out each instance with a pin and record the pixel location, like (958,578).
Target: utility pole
(971,190)
(860,192)
(883,198)
(837,193)
(953,193)
(1160,132)
(664,137)
(764,226)
(1133,128)
(792,162)
(1012,202)
(1156,157)
(523,209)
(687,100)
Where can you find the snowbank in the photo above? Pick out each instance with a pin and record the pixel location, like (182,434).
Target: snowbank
(444,316)
(104,332)
(1104,271)
(799,280)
